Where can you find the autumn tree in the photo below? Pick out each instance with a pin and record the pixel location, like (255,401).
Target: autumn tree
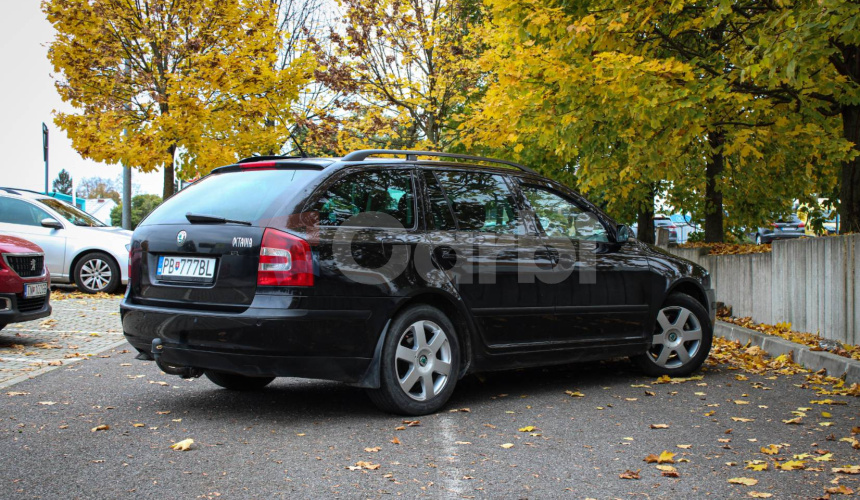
(403,68)
(63,182)
(141,206)
(812,49)
(99,187)
(180,84)
(641,98)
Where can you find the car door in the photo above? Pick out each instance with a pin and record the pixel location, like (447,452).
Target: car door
(603,286)
(493,259)
(24,219)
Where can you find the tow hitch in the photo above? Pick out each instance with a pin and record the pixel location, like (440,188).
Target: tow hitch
(182,371)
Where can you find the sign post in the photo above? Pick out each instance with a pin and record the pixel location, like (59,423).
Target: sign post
(45,152)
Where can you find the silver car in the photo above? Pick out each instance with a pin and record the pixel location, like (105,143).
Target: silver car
(78,247)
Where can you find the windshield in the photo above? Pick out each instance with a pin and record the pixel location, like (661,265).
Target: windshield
(72,214)
(250,195)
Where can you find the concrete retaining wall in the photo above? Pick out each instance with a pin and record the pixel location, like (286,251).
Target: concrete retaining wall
(811,283)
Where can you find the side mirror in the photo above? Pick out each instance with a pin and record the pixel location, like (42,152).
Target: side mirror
(624,233)
(51,223)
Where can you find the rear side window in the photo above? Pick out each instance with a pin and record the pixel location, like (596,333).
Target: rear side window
(387,192)
(481,202)
(20,212)
(249,195)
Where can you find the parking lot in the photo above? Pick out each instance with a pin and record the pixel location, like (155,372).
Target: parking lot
(100,425)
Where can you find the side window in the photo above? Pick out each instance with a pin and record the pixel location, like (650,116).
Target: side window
(560,217)
(20,212)
(443,220)
(481,202)
(377,191)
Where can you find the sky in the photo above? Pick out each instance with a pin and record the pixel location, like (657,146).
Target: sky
(29,98)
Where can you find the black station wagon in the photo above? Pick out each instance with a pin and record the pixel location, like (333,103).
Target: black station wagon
(400,274)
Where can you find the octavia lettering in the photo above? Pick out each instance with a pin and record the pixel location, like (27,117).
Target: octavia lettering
(240,242)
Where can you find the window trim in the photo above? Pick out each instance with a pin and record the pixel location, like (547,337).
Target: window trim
(340,175)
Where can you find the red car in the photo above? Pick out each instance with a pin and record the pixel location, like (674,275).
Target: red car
(24,281)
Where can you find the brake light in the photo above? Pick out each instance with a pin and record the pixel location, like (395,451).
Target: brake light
(285,260)
(801,225)
(258,165)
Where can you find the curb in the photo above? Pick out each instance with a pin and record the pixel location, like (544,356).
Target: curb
(835,366)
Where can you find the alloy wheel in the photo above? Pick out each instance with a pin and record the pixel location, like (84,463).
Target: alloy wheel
(677,337)
(423,360)
(95,274)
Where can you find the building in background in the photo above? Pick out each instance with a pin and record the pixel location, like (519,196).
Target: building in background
(99,208)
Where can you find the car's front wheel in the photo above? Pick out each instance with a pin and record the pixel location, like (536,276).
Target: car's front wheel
(97,272)
(681,339)
(420,363)
(236,382)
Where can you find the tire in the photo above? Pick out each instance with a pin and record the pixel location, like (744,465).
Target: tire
(97,272)
(236,382)
(678,350)
(420,363)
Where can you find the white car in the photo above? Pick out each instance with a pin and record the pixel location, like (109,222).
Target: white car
(78,247)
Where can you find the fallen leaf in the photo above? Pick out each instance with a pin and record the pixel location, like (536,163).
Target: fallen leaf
(741,419)
(629,474)
(684,446)
(793,421)
(791,465)
(412,423)
(528,428)
(138,425)
(17,393)
(659,426)
(756,465)
(575,394)
(746,481)
(462,442)
(184,445)
(395,440)
(666,468)
(372,450)
(507,445)
(364,465)
(839,490)
(741,402)
(848,469)
(102,427)
(827,457)
(770,449)
(47,403)
(759,494)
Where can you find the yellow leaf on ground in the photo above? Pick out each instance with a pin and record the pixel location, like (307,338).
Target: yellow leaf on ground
(183,445)
(839,490)
(507,445)
(102,427)
(747,481)
(629,474)
(756,465)
(759,494)
(666,458)
(659,426)
(791,465)
(848,469)
(139,425)
(770,449)
(528,428)
(367,465)
(684,446)
(395,440)
(827,457)
(666,468)
(741,402)
(741,419)
(793,421)
(373,449)
(575,394)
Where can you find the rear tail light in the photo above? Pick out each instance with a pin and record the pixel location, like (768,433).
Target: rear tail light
(285,260)
(258,165)
(801,225)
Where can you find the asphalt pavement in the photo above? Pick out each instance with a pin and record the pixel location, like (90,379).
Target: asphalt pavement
(545,433)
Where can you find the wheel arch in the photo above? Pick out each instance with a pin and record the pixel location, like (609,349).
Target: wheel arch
(692,288)
(451,306)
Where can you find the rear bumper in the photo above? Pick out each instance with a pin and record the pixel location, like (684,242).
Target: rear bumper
(271,338)
(769,237)
(11,304)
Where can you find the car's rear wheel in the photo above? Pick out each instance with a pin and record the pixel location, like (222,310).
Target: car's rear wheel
(681,339)
(97,272)
(420,363)
(236,382)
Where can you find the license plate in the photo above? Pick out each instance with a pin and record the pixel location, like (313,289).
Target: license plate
(185,269)
(35,290)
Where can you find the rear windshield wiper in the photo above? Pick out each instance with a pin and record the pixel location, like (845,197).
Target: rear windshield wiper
(212,219)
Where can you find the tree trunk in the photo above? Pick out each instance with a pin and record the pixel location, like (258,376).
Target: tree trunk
(645,220)
(713,197)
(169,178)
(849,196)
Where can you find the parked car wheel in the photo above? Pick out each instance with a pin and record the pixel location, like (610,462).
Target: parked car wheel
(236,382)
(682,338)
(97,272)
(420,363)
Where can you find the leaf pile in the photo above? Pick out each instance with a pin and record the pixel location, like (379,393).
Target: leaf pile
(729,248)
(783,330)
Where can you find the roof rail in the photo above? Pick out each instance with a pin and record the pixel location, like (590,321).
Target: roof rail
(363,154)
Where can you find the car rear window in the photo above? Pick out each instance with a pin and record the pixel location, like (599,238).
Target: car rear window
(248,195)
